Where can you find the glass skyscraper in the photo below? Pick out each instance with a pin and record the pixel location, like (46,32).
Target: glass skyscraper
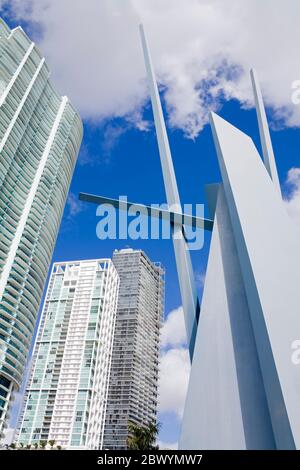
(66,395)
(40,135)
(133,383)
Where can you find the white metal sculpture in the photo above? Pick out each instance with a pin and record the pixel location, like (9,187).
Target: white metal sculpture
(244,389)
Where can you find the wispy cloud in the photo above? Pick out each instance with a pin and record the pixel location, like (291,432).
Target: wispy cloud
(86,157)
(136,119)
(74,206)
(114,131)
(111,137)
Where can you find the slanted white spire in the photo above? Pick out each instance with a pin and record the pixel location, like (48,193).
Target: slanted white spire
(183,260)
(162,137)
(265,138)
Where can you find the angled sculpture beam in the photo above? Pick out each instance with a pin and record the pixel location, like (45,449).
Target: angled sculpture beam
(175,218)
(188,290)
(265,138)
(161,132)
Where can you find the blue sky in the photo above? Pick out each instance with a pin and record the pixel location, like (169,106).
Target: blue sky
(117,158)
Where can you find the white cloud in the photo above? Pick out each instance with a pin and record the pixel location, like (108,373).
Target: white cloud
(174,365)
(174,375)
(167,445)
(293,200)
(202,50)
(173,331)
(293,177)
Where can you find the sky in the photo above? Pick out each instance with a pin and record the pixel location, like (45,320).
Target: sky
(202,52)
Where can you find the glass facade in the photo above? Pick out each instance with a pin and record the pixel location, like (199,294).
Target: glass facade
(133,393)
(40,135)
(66,395)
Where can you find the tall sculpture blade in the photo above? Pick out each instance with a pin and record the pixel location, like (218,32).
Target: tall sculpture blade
(266,143)
(269,258)
(183,260)
(225,406)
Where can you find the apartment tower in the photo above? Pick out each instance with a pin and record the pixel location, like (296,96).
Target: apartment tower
(40,135)
(133,384)
(66,395)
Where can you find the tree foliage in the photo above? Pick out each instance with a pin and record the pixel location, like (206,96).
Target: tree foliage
(142,437)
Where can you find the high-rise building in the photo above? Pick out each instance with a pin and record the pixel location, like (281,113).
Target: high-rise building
(132,395)
(65,399)
(40,135)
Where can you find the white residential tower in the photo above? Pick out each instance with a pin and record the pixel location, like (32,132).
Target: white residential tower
(66,395)
(40,135)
